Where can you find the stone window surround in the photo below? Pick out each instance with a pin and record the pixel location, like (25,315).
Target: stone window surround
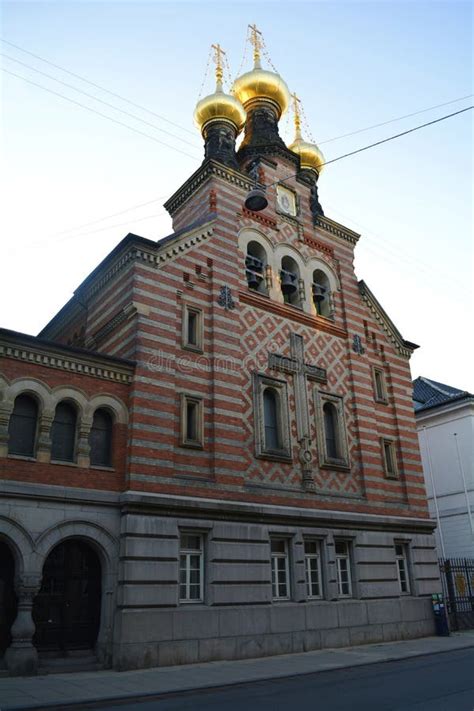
(187,309)
(260,383)
(350,558)
(275,253)
(288,566)
(48,399)
(389,442)
(406,557)
(201,534)
(378,370)
(187,397)
(320,398)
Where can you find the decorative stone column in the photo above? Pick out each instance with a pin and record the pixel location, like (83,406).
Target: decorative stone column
(43,449)
(21,656)
(83,446)
(6,409)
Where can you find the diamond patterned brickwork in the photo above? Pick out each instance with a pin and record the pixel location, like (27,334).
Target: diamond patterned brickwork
(264,333)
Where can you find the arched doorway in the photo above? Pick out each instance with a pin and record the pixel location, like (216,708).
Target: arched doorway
(66,611)
(8,603)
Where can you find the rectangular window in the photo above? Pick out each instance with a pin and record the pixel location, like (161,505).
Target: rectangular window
(280,569)
(191,421)
(343,569)
(312,563)
(191,567)
(379,385)
(331,430)
(401,555)
(389,458)
(272,428)
(192,334)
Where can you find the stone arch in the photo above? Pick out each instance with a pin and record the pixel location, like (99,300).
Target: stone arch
(109,402)
(28,386)
(106,547)
(314,263)
(21,545)
(71,393)
(251,234)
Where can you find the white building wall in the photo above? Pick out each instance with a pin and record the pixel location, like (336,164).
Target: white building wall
(446,436)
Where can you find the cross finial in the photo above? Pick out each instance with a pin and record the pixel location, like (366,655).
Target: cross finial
(255,39)
(296,109)
(218,54)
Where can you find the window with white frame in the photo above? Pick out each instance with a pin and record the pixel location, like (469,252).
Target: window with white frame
(312,564)
(343,568)
(272,429)
(191,567)
(401,556)
(331,430)
(192,334)
(280,569)
(389,455)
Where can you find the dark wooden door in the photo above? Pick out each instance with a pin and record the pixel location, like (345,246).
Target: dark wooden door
(8,604)
(67,608)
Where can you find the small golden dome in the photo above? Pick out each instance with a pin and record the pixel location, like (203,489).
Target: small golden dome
(219,106)
(262,84)
(310,155)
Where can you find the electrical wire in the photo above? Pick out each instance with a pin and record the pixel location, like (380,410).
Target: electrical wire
(97,86)
(399,118)
(99,113)
(100,101)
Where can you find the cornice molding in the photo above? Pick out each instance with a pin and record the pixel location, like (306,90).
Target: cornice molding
(337,230)
(209,169)
(289,312)
(405,348)
(94,365)
(311,242)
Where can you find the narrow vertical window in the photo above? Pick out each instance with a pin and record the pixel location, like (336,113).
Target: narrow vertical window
(389,458)
(312,560)
(343,569)
(191,567)
(330,430)
(63,433)
(100,439)
(280,569)
(192,328)
(191,421)
(271,419)
(401,555)
(379,384)
(22,426)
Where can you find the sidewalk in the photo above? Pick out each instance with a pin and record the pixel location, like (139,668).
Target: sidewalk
(80,688)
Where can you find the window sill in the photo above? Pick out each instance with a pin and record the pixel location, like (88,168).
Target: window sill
(22,457)
(194,349)
(381,401)
(64,464)
(282,456)
(192,445)
(337,464)
(102,468)
(393,476)
(192,602)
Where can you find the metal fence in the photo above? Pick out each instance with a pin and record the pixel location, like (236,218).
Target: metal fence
(457,576)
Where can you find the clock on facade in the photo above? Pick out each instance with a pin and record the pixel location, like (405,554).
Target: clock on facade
(286,200)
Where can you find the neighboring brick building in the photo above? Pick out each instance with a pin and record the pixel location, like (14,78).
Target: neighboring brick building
(220,423)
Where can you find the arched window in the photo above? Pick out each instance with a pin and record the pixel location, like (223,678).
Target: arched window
(321,293)
(22,427)
(100,439)
(255,267)
(289,279)
(271,419)
(330,430)
(63,433)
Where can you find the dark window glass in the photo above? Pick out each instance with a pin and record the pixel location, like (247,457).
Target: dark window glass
(100,439)
(63,433)
(192,328)
(379,385)
(22,427)
(389,457)
(192,421)
(270,417)
(330,432)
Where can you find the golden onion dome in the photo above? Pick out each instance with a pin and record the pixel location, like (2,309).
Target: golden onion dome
(219,107)
(311,157)
(262,84)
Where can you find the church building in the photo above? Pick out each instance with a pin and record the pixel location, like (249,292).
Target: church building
(210,451)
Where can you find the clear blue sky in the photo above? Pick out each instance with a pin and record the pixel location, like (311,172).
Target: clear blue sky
(353,64)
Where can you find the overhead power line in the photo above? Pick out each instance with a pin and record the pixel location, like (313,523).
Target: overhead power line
(399,118)
(99,113)
(97,86)
(100,101)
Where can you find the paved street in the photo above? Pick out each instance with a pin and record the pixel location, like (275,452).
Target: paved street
(441,682)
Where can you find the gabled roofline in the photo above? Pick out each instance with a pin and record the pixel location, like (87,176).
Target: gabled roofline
(405,348)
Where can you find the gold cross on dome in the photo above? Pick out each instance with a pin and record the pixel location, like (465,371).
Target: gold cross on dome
(218,54)
(296,109)
(255,39)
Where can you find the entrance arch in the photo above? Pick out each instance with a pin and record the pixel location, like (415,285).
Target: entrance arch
(67,608)
(8,601)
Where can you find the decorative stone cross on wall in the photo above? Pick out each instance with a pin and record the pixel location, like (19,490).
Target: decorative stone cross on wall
(301,371)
